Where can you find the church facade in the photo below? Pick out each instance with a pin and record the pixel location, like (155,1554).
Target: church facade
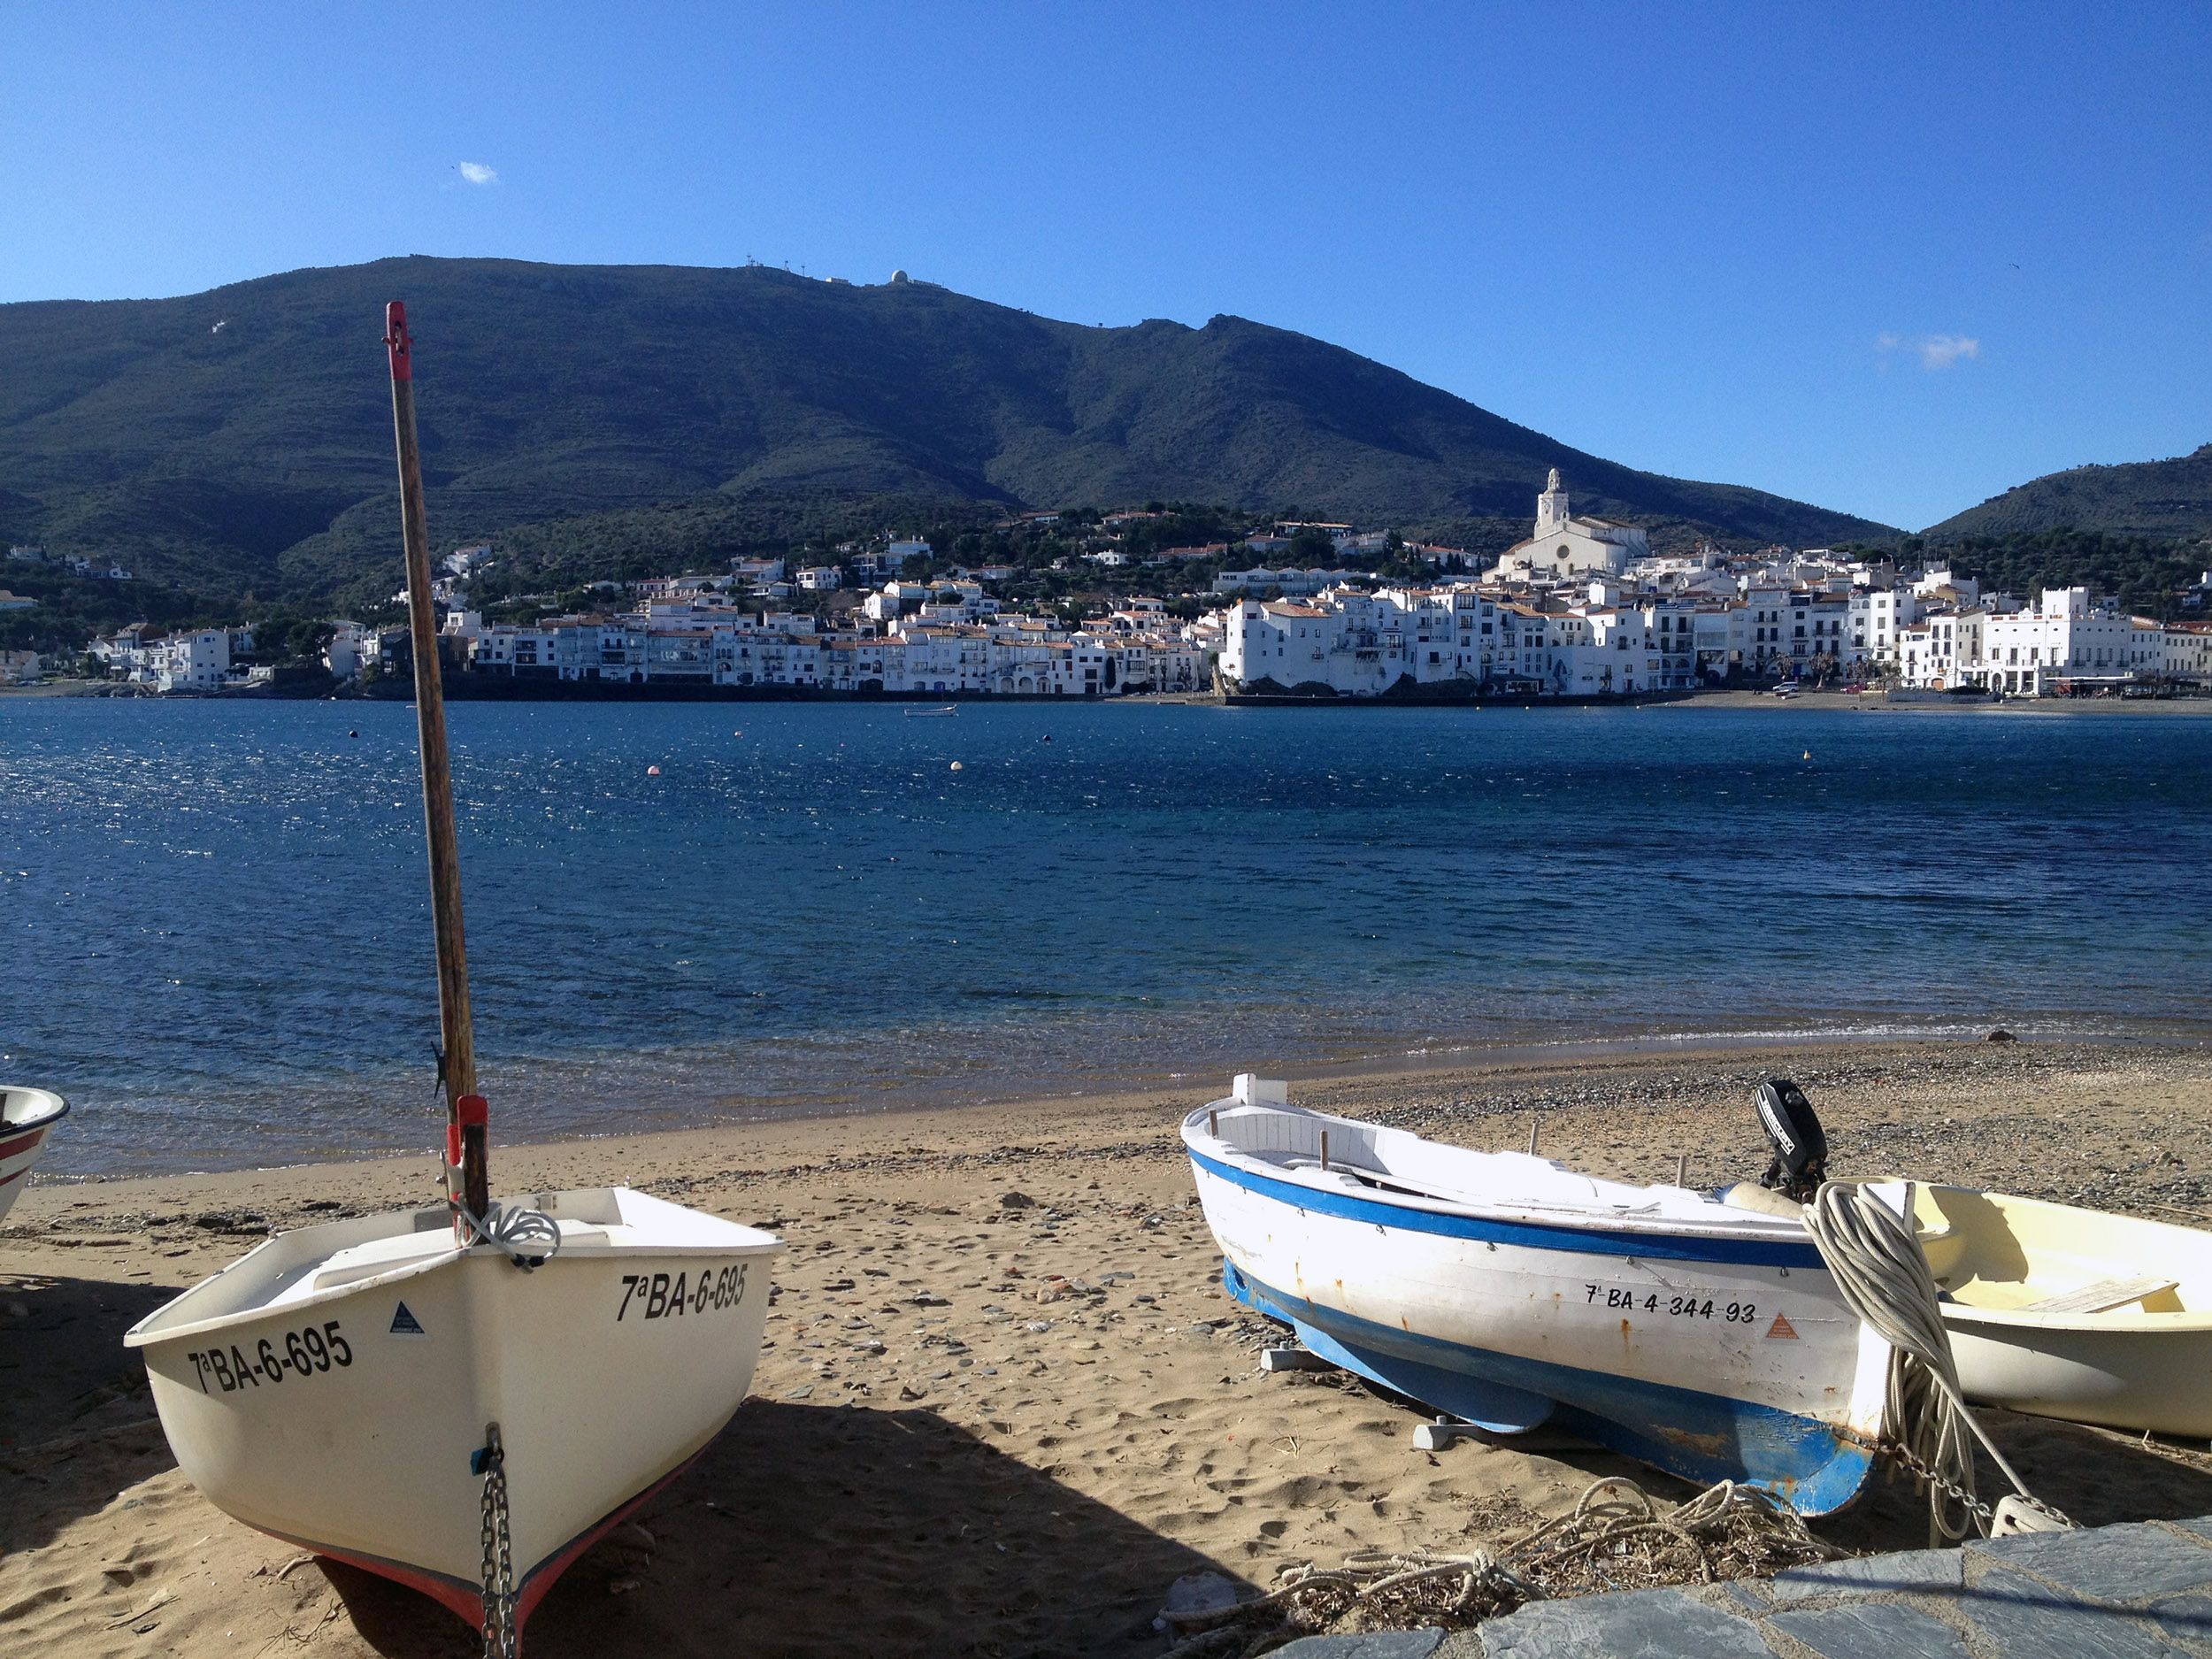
(1566,547)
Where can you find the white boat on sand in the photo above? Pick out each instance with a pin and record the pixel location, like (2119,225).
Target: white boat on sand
(1705,1340)
(2071,1313)
(2051,1310)
(26,1116)
(459,1398)
(332,1387)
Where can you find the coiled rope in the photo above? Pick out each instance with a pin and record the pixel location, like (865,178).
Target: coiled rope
(1616,1538)
(1876,1257)
(516,1231)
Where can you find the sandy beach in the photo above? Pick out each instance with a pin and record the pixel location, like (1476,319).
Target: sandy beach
(1005,1403)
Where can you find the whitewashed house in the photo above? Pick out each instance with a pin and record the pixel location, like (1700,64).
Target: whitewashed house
(196,659)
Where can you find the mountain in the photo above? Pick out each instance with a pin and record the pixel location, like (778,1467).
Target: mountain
(2140,498)
(240,439)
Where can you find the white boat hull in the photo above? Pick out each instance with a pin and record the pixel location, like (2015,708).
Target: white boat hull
(2010,1266)
(26,1116)
(1717,1352)
(345,1418)
(2136,1380)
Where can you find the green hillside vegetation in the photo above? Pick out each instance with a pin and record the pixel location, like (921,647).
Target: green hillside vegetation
(2146,574)
(72,609)
(2162,500)
(604,420)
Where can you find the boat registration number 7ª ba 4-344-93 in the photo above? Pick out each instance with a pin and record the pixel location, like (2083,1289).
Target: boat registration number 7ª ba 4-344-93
(669,1297)
(312,1352)
(1690,1307)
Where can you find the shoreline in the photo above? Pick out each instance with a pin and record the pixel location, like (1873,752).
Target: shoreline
(498,690)
(953,1094)
(1514,1075)
(1011,1315)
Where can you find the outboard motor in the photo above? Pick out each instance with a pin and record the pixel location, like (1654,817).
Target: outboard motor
(1801,1145)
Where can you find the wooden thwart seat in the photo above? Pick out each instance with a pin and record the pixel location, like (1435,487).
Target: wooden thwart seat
(2105,1296)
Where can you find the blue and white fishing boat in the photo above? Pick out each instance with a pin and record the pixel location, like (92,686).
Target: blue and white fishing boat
(1708,1341)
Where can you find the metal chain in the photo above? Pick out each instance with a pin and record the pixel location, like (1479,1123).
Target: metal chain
(501,1641)
(1927,1476)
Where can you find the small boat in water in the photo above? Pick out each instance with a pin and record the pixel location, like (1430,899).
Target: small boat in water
(938,713)
(1708,1341)
(26,1115)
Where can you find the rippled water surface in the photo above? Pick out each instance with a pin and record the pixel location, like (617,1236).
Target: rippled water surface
(219,941)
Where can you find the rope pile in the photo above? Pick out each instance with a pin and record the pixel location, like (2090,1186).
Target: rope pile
(1876,1257)
(1616,1538)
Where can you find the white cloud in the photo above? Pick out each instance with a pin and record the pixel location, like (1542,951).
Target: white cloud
(477,173)
(1935,351)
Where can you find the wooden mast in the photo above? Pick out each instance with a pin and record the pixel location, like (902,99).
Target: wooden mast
(467,1131)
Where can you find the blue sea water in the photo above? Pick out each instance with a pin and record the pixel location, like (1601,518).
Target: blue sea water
(218,938)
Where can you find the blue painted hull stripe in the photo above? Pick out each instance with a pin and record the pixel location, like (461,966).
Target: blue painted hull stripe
(1701,1437)
(1530,1235)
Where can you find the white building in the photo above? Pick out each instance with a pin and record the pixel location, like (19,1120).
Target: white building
(1564,546)
(1288,582)
(1872,620)
(2063,638)
(1940,651)
(193,660)
(342,654)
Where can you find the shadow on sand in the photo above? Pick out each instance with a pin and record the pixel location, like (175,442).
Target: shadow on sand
(76,1414)
(821,1530)
(817,1532)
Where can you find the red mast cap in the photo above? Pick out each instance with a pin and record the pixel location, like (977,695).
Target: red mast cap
(396,343)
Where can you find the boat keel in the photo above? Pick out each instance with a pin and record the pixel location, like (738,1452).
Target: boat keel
(1487,1405)
(1700,1437)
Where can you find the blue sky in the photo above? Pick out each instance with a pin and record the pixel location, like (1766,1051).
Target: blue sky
(1889,260)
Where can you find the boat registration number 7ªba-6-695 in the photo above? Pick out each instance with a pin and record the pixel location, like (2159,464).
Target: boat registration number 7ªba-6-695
(311,1352)
(663,1296)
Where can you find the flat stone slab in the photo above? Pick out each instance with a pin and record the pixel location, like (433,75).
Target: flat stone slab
(2027,1620)
(1627,1625)
(1380,1644)
(1873,1629)
(1921,1571)
(2137,1591)
(2132,1562)
(2186,1619)
(1751,1597)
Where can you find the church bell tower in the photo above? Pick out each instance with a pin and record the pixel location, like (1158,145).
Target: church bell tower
(1551,506)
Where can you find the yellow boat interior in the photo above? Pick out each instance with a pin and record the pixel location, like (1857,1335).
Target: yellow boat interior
(1996,1253)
